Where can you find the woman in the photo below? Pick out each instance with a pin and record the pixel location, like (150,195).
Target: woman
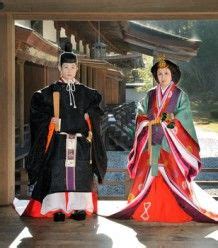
(62,162)
(165,157)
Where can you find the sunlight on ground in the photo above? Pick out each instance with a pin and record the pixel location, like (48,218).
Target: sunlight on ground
(120,235)
(105,208)
(213,235)
(20,205)
(213,127)
(23,235)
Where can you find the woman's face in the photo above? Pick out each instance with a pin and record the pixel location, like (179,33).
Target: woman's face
(164,76)
(68,71)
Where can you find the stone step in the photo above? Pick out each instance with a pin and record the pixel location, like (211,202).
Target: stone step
(207,182)
(118,143)
(208,169)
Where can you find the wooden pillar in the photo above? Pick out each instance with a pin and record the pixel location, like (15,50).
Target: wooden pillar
(91,51)
(89,76)
(58,34)
(77,44)
(81,48)
(73,42)
(84,47)
(94,77)
(78,74)
(88,50)
(7,112)
(21,123)
(68,34)
(84,74)
(45,81)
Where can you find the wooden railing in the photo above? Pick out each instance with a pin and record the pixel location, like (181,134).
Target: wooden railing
(120,126)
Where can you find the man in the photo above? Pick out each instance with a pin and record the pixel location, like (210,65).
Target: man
(66,147)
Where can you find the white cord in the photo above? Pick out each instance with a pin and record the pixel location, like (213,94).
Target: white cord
(71,88)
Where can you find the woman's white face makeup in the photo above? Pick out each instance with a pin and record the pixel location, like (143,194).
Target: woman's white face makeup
(68,71)
(164,76)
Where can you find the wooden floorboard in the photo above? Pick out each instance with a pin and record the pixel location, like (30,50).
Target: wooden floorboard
(101,232)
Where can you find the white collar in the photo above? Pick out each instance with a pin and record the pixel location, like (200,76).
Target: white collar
(74,81)
(163,90)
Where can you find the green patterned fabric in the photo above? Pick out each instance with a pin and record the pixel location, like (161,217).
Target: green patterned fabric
(155,158)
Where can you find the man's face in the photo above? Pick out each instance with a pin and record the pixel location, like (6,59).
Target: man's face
(68,70)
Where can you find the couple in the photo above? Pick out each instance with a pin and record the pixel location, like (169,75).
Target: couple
(67,150)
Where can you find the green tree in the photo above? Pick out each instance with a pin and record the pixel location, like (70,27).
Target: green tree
(201,73)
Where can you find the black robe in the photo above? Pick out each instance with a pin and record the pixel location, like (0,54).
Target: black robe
(47,169)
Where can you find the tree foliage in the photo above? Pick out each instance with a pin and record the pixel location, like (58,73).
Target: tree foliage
(200,75)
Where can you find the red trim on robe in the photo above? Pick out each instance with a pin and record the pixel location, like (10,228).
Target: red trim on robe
(33,208)
(160,205)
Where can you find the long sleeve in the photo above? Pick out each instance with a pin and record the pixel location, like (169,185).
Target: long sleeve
(94,100)
(98,149)
(184,115)
(142,105)
(40,115)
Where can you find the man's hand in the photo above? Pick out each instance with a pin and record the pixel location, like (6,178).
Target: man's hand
(57,122)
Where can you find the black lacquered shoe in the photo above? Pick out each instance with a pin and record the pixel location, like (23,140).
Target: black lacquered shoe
(59,217)
(78,215)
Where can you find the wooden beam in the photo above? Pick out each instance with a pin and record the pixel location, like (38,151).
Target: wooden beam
(7,113)
(107,5)
(87,16)
(111,10)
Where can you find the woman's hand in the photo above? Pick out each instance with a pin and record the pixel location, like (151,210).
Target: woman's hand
(172,116)
(169,119)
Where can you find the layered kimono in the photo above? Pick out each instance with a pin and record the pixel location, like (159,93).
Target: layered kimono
(61,165)
(163,171)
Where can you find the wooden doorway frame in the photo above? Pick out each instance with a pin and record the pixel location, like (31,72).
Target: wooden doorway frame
(82,11)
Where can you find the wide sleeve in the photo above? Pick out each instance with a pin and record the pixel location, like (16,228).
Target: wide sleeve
(184,116)
(182,139)
(142,106)
(94,99)
(141,110)
(99,156)
(40,116)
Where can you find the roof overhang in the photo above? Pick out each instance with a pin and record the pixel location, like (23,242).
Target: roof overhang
(32,47)
(129,36)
